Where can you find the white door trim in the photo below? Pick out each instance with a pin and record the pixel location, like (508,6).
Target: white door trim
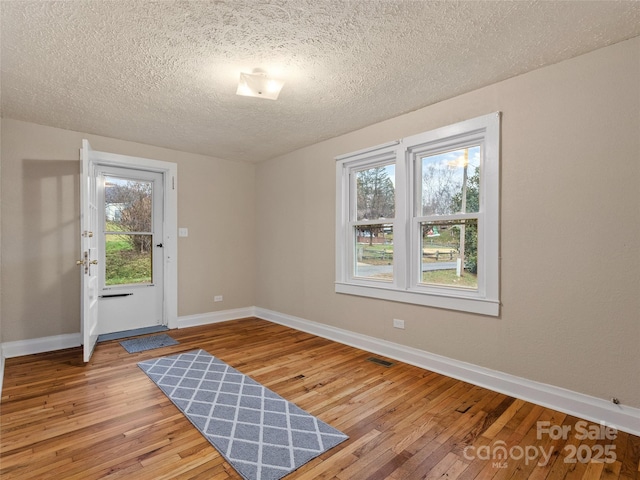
(170,179)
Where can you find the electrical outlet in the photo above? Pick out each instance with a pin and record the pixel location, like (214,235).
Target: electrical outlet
(398,323)
(217,298)
(183,232)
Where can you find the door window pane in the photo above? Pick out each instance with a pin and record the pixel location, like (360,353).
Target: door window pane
(374,251)
(376,193)
(128,231)
(450,253)
(451,182)
(127,204)
(128,259)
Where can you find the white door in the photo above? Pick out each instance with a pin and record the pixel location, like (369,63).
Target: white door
(156,297)
(130,241)
(89,254)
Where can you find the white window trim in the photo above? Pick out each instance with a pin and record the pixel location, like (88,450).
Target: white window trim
(404,288)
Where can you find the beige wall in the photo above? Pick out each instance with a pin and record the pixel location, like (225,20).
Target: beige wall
(570,230)
(1,330)
(40,225)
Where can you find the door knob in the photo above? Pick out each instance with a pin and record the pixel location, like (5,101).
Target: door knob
(84,261)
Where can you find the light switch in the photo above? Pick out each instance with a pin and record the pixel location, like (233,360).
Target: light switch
(183,232)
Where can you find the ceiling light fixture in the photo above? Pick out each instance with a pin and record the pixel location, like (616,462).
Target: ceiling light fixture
(258,84)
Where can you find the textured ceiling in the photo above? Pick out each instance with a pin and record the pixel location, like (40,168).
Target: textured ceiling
(165,73)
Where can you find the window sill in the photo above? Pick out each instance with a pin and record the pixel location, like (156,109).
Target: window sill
(480,306)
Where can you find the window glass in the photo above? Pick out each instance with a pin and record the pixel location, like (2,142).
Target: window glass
(128,204)
(374,251)
(451,182)
(450,253)
(375,196)
(127,231)
(127,259)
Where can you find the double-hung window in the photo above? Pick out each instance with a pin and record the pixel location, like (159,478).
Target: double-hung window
(417,220)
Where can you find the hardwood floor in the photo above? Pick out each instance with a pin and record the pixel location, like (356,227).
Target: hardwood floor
(65,420)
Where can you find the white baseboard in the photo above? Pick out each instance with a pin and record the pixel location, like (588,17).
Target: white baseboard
(590,408)
(32,346)
(40,345)
(215,317)
(597,410)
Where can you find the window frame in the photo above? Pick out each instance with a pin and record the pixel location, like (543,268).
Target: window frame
(406,286)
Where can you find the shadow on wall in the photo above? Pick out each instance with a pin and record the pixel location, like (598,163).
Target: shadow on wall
(50,245)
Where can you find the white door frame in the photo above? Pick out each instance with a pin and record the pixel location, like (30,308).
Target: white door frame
(169,241)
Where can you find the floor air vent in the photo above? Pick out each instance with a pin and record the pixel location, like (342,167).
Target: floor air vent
(379,361)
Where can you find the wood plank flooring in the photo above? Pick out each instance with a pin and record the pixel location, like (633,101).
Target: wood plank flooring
(65,420)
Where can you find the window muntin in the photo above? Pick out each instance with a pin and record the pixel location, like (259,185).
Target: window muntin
(444,237)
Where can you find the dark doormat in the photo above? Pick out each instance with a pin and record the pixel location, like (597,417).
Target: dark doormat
(141,344)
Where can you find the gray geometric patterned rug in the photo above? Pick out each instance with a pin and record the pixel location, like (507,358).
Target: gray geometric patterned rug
(262,435)
(142,344)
